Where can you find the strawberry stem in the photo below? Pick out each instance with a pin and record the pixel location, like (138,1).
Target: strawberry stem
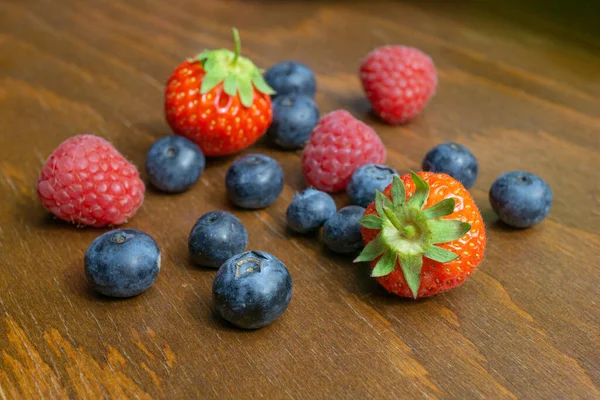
(410,231)
(238,45)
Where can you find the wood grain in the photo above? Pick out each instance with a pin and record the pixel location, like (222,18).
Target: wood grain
(522,91)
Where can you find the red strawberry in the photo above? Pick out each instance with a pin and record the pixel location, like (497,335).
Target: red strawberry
(398,81)
(219,100)
(424,235)
(338,145)
(88,182)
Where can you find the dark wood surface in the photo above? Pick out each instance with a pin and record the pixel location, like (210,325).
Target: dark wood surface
(521,89)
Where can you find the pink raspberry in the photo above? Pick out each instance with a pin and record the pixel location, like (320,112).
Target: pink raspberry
(398,81)
(338,145)
(88,182)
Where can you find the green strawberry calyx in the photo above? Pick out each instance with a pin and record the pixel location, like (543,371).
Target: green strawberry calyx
(408,233)
(238,74)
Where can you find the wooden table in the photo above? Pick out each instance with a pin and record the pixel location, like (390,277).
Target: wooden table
(521,90)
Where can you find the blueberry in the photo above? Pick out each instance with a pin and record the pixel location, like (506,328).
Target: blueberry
(122,263)
(342,231)
(294,117)
(309,210)
(174,163)
(254,181)
(366,180)
(291,77)
(521,199)
(252,289)
(455,160)
(216,237)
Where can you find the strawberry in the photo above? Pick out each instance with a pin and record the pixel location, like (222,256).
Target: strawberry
(219,100)
(424,235)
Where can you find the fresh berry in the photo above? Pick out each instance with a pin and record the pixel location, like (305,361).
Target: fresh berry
(254,181)
(521,199)
(294,118)
(424,235)
(341,232)
(174,164)
(366,180)
(219,100)
(86,181)
(252,289)
(122,263)
(455,160)
(309,210)
(338,145)
(291,77)
(398,81)
(216,237)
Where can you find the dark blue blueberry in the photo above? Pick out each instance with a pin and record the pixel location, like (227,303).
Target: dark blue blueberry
(291,77)
(174,163)
(254,181)
(366,180)
(252,289)
(294,117)
(342,231)
(216,237)
(122,263)
(309,210)
(521,199)
(455,160)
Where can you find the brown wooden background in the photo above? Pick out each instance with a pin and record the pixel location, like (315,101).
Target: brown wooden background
(521,89)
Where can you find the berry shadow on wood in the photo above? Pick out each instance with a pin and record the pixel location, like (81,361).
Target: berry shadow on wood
(362,282)
(222,325)
(201,308)
(35,216)
(493,223)
(75,280)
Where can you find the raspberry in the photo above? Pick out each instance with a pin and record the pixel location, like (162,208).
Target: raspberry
(398,81)
(338,145)
(88,182)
